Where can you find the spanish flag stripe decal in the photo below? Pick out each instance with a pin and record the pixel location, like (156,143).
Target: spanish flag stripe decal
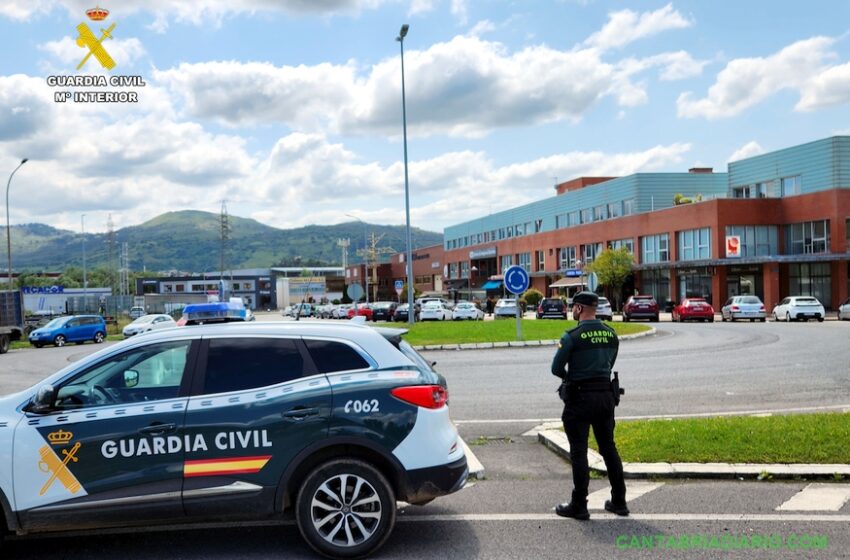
(234,465)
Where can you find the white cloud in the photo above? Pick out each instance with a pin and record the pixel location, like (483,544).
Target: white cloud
(464,87)
(626,26)
(420,7)
(125,52)
(460,10)
(482,27)
(749,149)
(802,67)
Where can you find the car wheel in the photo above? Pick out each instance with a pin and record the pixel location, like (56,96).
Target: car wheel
(711,319)
(820,319)
(4,343)
(775,318)
(39,345)
(345,509)
(59,340)
(654,319)
(722,318)
(625,318)
(763,320)
(787,317)
(99,337)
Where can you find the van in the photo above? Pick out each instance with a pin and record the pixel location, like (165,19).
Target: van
(76,328)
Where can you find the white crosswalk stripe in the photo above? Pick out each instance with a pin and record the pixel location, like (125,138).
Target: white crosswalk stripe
(634,489)
(818,497)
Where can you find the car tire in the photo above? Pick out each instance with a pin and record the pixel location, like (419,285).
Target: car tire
(326,524)
(820,319)
(654,319)
(775,318)
(99,337)
(763,320)
(4,343)
(625,318)
(59,340)
(787,317)
(711,319)
(38,345)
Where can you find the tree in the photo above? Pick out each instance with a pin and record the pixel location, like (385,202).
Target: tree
(612,268)
(403,297)
(532,297)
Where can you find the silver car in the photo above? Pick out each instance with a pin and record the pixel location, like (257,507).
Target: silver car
(505,308)
(844,311)
(743,307)
(603,310)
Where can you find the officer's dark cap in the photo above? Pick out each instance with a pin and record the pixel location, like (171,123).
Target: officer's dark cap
(586,298)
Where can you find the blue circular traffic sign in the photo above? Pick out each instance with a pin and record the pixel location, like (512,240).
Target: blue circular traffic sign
(516,280)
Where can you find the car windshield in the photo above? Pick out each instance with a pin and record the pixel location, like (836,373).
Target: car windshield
(143,320)
(696,301)
(432,305)
(464,306)
(55,323)
(603,301)
(505,302)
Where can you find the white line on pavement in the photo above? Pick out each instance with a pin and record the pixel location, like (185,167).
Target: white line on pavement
(476,469)
(724,517)
(818,496)
(634,490)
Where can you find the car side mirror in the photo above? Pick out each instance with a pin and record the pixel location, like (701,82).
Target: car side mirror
(44,399)
(131,378)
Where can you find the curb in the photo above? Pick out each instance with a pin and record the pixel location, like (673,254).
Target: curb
(517,343)
(556,440)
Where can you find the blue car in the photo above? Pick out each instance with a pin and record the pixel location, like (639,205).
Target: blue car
(76,328)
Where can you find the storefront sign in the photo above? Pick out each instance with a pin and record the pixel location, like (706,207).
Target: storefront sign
(43,289)
(483,253)
(733,246)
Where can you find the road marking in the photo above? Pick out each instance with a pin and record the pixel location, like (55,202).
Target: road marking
(476,469)
(510,421)
(634,490)
(720,517)
(818,496)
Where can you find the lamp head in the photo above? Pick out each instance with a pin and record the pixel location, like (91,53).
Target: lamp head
(403,32)
(23,161)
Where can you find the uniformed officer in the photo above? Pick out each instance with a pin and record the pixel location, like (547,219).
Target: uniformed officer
(589,352)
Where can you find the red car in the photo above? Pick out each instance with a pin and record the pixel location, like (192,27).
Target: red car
(693,309)
(641,307)
(363,310)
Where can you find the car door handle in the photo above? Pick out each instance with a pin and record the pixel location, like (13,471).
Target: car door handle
(300,413)
(158,429)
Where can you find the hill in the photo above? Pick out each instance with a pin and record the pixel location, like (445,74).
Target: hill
(189,241)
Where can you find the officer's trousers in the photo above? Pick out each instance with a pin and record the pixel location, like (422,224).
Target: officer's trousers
(581,411)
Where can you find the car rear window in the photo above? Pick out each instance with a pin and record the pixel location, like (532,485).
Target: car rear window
(237,364)
(750,299)
(330,356)
(807,300)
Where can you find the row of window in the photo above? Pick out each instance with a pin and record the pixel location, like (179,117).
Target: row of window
(787,186)
(578,217)
(693,245)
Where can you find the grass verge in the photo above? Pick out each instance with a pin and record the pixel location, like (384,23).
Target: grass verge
(801,438)
(464,332)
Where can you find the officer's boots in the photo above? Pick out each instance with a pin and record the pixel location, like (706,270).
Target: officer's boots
(576,508)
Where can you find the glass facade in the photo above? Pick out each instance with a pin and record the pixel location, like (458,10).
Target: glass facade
(695,244)
(811,279)
(655,248)
(506,261)
(525,261)
(695,282)
(628,243)
(807,238)
(566,258)
(590,252)
(657,283)
(756,241)
(791,185)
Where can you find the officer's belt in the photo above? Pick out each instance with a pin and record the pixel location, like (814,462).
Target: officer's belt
(590,386)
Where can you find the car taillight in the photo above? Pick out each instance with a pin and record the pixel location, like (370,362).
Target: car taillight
(735,308)
(761,308)
(426,396)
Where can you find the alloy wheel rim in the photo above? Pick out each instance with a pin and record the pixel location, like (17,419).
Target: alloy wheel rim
(346,510)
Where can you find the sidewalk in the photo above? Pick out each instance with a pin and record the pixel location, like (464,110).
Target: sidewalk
(556,440)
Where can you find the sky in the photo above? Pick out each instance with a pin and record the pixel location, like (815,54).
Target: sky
(291,110)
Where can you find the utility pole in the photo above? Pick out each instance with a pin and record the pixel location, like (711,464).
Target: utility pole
(110,243)
(371,255)
(124,270)
(225,237)
(344,244)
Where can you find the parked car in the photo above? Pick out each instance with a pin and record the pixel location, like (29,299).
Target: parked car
(400,315)
(693,309)
(603,310)
(137,311)
(147,323)
(467,310)
(743,307)
(641,307)
(361,309)
(505,308)
(289,311)
(799,308)
(435,311)
(844,311)
(76,328)
(334,423)
(383,310)
(552,308)
(341,311)
(422,301)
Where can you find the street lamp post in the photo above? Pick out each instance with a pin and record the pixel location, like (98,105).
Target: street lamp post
(85,280)
(8,227)
(410,316)
(365,260)
(472,271)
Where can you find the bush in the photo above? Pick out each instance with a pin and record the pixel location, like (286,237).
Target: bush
(532,297)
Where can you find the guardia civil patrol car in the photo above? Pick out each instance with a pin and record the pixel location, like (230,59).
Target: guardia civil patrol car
(334,423)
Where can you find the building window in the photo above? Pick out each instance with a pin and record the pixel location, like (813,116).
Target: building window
(792,185)
(807,237)
(586,216)
(560,221)
(464,269)
(615,209)
(656,283)
(538,225)
(629,207)
(524,260)
(573,218)
(655,248)
(180,288)
(811,279)
(566,258)
(628,243)
(541,261)
(756,241)
(506,261)
(197,287)
(600,213)
(695,244)
(590,252)
(453,270)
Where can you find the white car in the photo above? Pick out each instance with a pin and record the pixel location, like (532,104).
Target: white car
(844,311)
(603,310)
(467,310)
(446,303)
(434,311)
(505,308)
(799,308)
(340,311)
(147,323)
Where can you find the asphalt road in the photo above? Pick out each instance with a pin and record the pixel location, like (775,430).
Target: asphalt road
(496,396)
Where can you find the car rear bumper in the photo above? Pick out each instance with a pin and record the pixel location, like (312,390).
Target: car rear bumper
(423,485)
(642,314)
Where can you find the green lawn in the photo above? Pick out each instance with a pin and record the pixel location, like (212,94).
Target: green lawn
(802,438)
(503,330)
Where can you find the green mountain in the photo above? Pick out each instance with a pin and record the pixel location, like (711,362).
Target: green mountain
(190,241)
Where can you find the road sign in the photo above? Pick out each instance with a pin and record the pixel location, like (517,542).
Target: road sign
(354,291)
(592,281)
(516,280)
(399,287)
